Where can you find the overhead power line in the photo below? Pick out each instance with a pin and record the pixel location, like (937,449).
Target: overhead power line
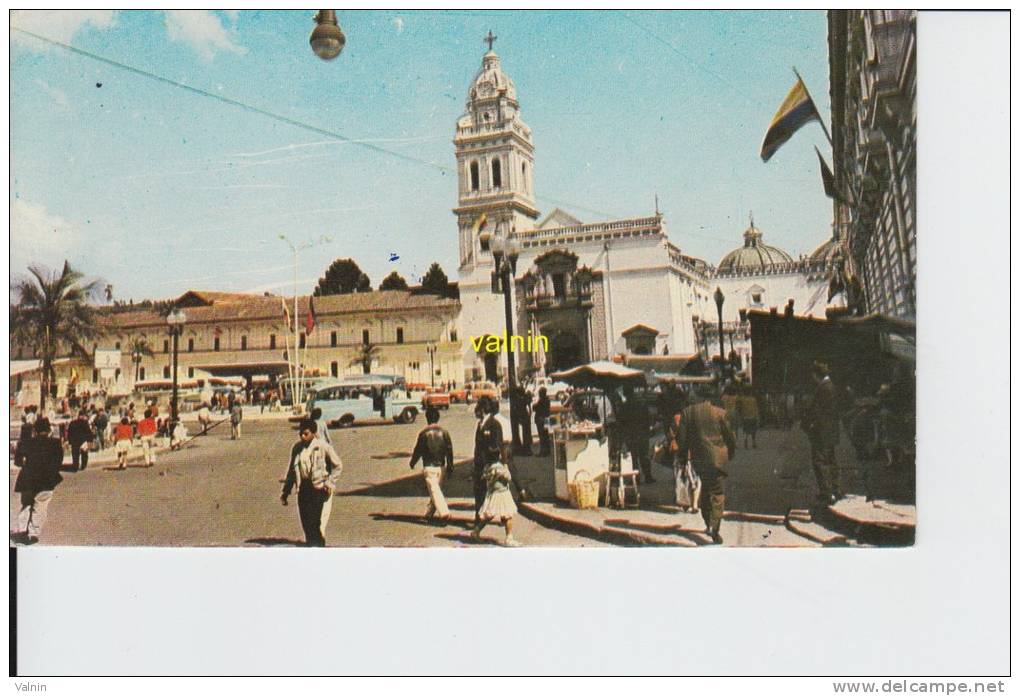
(275,116)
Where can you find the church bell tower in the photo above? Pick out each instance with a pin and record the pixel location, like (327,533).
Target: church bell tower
(495,159)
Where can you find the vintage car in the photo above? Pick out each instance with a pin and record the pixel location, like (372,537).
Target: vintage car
(458,395)
(436,397)
(476,390)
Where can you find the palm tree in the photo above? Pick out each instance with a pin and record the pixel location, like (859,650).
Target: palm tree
(365,354)
(51,316)
(140,349)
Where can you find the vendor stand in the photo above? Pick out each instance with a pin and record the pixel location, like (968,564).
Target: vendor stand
(580,443)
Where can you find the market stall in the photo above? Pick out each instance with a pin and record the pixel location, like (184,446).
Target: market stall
(581,449)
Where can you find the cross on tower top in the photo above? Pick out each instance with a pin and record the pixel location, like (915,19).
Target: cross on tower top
(490,39)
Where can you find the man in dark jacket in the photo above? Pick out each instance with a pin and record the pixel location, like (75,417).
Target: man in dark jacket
(821,423)
(79,433)
(27,429)
(704,432)
(488,447)
(542,410)
(36,481)
(520,406)
(435,448)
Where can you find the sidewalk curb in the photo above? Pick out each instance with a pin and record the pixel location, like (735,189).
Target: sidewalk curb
(608,534)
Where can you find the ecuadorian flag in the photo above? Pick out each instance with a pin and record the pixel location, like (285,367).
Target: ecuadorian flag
(796,110)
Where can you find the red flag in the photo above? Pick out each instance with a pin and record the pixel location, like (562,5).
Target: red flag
(310,319)
(218,332)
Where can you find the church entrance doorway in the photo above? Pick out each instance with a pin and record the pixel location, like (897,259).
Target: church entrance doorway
(491,361)
(565,351)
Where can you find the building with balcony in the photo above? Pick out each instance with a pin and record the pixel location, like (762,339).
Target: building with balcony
(872,82)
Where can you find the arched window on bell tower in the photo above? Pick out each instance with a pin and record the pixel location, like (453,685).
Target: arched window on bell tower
(497,174)
(524,176)
(474,175)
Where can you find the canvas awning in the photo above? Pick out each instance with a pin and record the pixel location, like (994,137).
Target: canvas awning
(601,374)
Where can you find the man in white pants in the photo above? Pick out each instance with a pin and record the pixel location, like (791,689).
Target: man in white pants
(435,448)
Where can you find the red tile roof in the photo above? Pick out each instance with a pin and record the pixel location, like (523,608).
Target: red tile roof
(231,307)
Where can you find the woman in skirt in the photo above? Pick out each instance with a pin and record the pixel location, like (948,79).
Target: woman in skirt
(499,503)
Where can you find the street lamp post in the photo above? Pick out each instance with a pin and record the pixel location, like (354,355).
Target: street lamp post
(719,299)
(505,254)
(431,348)
(175,321)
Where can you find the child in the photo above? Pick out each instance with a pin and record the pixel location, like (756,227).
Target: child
(178,434)
(499,503)
(123,435)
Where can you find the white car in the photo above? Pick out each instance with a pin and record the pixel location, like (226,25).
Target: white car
(555,390)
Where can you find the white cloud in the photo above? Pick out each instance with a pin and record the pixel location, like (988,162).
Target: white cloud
(59,25)
(398,24)
(202,30)
(39,237)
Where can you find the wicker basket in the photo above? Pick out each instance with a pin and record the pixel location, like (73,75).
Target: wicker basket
(584,492)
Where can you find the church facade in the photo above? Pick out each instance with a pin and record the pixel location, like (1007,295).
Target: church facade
(593,289)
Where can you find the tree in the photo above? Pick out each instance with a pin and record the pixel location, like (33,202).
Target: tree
(435,281)
(140,349)
(364,356)
(394,281)
(342,277)
(52,314)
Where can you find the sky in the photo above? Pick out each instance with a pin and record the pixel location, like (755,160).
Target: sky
(158,189)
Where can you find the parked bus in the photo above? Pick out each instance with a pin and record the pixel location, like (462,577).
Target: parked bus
(347,400)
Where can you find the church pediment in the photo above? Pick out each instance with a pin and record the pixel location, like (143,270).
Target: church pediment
(558,218)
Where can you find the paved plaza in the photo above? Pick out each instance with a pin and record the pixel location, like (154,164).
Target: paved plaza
(220,492)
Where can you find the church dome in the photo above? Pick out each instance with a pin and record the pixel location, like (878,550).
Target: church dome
(491,81)
(827,252)
(754,257)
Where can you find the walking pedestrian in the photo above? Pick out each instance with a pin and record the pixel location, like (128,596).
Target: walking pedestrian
(704,432)
(635,423)
(204,417)
(435,450)
(36,481)
(821,423)
(488,440)
(122,436)
(24,435)
(147,430)
(236,414)
(79,435)
(178,434)
(498,503)
(101,425)
(541,410)
(315,468)
(507,450)
(747,410)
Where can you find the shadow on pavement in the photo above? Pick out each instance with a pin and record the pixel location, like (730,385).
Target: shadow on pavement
(420,520)
(274,541)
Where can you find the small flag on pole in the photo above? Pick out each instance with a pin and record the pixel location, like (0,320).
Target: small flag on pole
(480,223)
(796,110)
(828,180)
(310,319)
(217,332)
